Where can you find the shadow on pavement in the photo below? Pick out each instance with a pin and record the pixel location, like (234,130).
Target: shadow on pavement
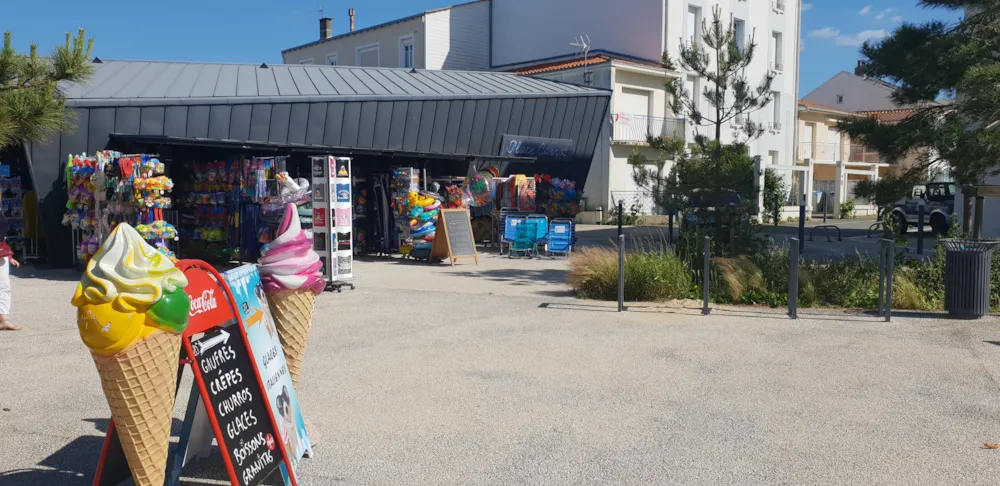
(525,276)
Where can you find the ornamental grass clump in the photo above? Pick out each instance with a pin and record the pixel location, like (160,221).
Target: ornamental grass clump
(652,273)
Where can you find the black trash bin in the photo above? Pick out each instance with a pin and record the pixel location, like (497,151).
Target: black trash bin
(967,277)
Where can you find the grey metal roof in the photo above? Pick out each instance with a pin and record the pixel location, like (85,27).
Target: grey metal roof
(154,83)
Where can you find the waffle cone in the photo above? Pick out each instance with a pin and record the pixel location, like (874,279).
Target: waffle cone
(140,384)
(293,310)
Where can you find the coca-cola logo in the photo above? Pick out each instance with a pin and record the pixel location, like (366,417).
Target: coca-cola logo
(203,303)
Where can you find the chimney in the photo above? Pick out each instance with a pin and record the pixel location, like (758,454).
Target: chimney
(350,13)
(325,28)
(860,69)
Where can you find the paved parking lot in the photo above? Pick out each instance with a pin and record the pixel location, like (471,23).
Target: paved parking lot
(491,374)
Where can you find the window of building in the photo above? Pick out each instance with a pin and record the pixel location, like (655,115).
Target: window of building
(740,32)
(776,52)
(772,156)
(332,60)
(776,104)
(307,60)
(406,51)
(693,27)
(368,55)
(840,99)
(692,86)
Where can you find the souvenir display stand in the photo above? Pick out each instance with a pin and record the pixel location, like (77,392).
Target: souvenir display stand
(110,188)
(333,223)
(13,208)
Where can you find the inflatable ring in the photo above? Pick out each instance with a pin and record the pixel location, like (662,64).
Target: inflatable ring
(419,233)
(433,206)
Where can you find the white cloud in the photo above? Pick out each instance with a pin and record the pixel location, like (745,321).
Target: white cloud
(880,16)
(864,11)
(806,7)
(860,38)
(825,33)
(897,19)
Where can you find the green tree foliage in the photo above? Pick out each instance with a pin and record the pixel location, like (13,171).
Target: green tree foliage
(774,196)
(31,104)
(926,60)
(719,60)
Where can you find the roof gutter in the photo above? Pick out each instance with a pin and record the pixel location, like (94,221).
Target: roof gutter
(249,100)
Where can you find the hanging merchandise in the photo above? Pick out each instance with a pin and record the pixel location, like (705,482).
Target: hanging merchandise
(526,195)
(404,181)
(205,223)
(457,198)
(480,188)
(151,195)
(12,204)
(557,198)
(359,194)
(423,209)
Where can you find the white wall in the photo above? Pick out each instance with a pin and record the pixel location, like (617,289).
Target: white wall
(346,46)
(458,38)
(530,30)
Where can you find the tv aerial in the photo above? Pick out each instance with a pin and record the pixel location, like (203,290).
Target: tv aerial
(583,43)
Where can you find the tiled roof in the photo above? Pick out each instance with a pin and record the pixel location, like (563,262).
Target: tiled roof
(575,63)
(822,107)
(890,115)
(560,65)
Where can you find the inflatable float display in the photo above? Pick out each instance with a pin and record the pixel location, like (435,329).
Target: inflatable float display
(423,209)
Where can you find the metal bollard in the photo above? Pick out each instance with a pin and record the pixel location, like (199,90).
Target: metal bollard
(881,277)
(670,227)
(620,216)
(704,286)
(802,225)
(793,280)
(920,230)
(621,273)
(826,204)
(888,291)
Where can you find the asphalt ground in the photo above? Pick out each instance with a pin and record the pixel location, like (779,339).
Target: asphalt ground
(492,374)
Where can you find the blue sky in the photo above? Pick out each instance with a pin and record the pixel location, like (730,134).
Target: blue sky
(257,30)
(833,31)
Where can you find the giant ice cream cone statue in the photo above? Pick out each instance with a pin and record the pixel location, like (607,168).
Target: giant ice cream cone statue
(290,272)
(131,311)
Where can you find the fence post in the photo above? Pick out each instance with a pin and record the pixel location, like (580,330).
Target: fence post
(621,273)
(920,230)
(704,285)
(793,280)
(881,277)
(888,291)
(802,224)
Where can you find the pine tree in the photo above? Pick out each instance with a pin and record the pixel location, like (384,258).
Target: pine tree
(719,60)
(960,60)
(32,107)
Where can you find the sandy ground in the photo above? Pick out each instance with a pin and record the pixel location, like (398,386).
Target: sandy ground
(493,374)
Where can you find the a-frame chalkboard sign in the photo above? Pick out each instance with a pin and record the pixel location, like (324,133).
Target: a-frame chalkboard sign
(453,237)
(226,399)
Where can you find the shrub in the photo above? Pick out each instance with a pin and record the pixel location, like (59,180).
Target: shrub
(847,209)
(738,277)
(651,274)
(851,282)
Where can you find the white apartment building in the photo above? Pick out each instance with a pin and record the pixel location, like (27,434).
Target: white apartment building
(627,40)
(454,38)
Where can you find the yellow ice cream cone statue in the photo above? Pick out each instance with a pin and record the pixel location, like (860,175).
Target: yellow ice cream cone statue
(131,311)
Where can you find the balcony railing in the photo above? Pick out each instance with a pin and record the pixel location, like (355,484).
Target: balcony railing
(836,152)
(637,128)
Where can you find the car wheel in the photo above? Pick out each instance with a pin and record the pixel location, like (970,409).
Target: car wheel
(939,225)
(900,222)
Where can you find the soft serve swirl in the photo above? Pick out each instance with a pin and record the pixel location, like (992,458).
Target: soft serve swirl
(289,262)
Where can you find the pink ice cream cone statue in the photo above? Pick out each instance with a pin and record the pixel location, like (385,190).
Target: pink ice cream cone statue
(290,272)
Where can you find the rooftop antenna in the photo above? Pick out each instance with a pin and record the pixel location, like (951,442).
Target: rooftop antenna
(583,43)
(319,11)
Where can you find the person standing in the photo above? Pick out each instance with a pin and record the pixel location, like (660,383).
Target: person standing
(6,260)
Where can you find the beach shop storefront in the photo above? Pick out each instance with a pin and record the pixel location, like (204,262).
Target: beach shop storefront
(438,121)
